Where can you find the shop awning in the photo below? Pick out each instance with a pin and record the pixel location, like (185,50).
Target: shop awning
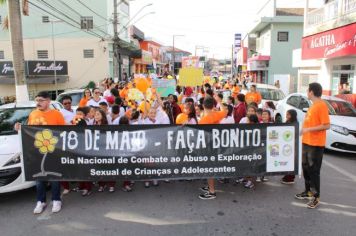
(129,49)
(259,58)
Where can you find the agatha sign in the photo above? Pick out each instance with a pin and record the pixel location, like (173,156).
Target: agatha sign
(35,68)
(329,44)
(158,152)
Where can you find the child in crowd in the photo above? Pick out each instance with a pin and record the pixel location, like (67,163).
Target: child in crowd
(229,119)
(189,110)
(127,185)
(251,110)
(291,117)
(100,118)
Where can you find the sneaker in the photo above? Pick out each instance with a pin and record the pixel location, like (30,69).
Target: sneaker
(204,189)
(304,195)
(127,188)
(111,189)
(147,184)
(101,189)
(57,206)
(249,184)
(287,181)
(314,203)
(207,196)
(40,206)
(258,179)
(65,191)
(155,183)
(167,181)
(86,192)
(264,179)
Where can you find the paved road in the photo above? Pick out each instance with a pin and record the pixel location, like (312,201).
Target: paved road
(174,209)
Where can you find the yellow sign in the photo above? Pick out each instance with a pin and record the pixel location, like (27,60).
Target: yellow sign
(191,77)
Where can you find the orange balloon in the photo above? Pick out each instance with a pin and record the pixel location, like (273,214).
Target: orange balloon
(181,119)
(142,84)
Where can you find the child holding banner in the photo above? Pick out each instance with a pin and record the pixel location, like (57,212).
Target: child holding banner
(100,118)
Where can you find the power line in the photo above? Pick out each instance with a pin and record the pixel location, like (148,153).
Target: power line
(91,10)
(88,32)
(65,15)
(78,13)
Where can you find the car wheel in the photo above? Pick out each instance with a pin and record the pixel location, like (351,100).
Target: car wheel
(278,119)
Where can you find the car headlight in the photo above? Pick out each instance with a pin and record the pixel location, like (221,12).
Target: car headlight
(340,129)
(14,160)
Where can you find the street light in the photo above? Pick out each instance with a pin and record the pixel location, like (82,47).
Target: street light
(54,56)
(125,27)
(174,53)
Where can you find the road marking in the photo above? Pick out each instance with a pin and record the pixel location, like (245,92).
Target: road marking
(341,171)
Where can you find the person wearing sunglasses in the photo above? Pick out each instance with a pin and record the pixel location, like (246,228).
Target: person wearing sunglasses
(96,99)
(68,113)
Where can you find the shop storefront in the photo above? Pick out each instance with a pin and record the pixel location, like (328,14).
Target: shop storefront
(142,63)
(258,68)
(44,73)
(335,50)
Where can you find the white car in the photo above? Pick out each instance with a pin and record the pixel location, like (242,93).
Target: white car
(76,95)
(11,174)
(268,93)
(342,133)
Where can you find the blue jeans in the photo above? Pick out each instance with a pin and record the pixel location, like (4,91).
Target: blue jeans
(41,191)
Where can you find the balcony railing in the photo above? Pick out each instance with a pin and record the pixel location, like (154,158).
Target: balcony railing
(331,11)
(349,6)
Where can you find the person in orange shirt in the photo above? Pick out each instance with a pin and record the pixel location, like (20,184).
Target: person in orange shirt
(235,90)
(44,115)
(253,96)
(87,96)
(210,117)
(315,124)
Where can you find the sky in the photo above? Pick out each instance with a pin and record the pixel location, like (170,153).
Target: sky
(207,23)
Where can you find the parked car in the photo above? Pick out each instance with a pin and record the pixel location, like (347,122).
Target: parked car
(11,173)
(342,133)
(268,93)
(76,95)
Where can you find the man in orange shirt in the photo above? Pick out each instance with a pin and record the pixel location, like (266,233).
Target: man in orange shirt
(210,117)
(315,124)
(253,96)
(43,115)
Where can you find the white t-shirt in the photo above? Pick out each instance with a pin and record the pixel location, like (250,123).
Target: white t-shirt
(228,120)
(162,117)
(116,121)
(68,115)
(90,121)
(94,103)
(244,120)
(147,121)
(107,93)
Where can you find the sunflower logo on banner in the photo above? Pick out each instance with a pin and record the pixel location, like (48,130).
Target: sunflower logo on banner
(46,143)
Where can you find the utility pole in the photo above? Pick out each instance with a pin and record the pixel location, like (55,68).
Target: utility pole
(116,54)
(15,26)
(174,52)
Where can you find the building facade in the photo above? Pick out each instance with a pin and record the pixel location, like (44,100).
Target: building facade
(270,46)
(77,36)
(328,52)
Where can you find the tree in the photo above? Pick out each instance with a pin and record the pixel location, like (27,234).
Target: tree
(15,27)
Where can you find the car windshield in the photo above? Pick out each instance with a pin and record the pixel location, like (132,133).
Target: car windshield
(271,94)
(8,118)
(75,98)
(341,108)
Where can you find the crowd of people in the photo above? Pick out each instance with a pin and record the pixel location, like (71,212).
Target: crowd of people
(111,105)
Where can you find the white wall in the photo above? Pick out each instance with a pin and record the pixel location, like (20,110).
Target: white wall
(80,70)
